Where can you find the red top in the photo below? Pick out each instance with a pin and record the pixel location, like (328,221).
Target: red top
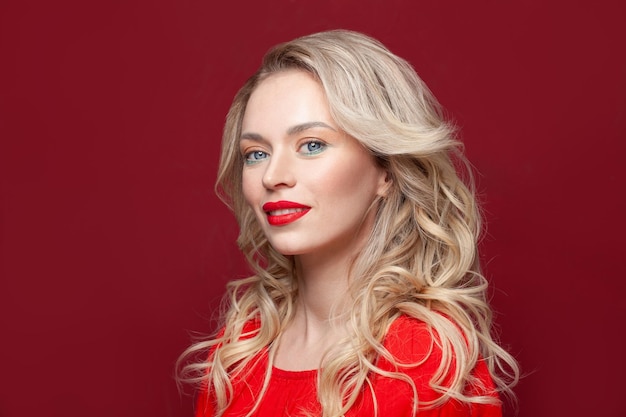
(408,340)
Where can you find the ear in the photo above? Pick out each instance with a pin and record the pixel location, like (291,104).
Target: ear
(384,183)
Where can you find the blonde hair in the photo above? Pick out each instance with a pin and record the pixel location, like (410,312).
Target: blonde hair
(420,259)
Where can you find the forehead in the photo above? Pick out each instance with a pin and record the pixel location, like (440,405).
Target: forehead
(286,98)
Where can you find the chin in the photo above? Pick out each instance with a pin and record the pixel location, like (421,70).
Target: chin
(287,251)
(288,248)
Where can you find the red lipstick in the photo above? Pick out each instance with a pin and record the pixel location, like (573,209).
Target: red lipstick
(280,213)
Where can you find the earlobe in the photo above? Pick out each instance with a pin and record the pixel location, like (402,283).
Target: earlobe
(385,184)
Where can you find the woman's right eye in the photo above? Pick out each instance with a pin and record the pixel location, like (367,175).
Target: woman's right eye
(255,156)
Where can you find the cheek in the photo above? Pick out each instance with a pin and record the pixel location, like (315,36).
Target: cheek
(354,178)
(249,189)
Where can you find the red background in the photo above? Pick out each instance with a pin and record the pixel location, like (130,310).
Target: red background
(114,247)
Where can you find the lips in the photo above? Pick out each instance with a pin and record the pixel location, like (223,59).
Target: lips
(280,213)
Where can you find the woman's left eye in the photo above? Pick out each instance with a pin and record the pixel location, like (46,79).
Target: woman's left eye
(312,147)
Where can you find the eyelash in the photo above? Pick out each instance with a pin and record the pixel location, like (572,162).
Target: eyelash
(321,148)
(248,157)
(251,157)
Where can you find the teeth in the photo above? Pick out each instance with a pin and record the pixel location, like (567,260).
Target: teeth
(282,212)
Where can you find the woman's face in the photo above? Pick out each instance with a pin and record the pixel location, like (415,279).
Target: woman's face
(310,185)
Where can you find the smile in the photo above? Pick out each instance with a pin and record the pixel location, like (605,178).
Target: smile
(280,213)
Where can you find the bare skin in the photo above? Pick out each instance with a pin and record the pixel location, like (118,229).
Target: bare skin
(311,333)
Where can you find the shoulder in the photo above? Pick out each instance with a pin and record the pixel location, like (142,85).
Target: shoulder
(415,349)
(415,352)
(251,328)
(410,340)
(231,333)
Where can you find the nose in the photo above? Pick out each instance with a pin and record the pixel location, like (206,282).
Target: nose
(279,172)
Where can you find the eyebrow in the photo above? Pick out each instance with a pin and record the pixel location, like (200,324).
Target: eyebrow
(291,131)
(306,126)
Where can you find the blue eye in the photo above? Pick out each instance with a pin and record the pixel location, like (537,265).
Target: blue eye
(255,156)
(313,147)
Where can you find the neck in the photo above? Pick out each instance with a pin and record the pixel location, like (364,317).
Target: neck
(322,289)
(318,323)
(313,331)
(323,277)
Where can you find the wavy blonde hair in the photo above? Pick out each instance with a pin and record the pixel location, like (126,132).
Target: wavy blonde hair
(420,259)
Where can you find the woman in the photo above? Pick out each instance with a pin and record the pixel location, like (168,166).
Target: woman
(367,297)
